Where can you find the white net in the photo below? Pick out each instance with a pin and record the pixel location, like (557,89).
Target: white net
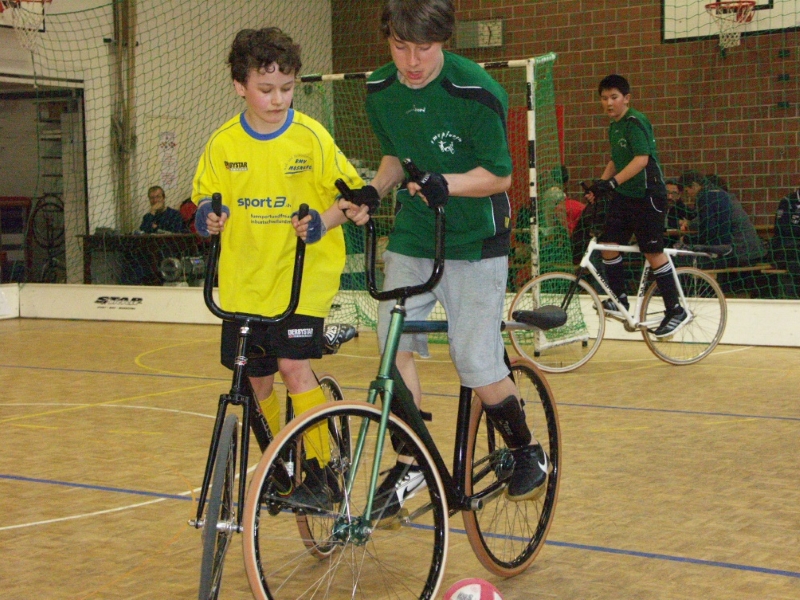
(731,18)
(27,19)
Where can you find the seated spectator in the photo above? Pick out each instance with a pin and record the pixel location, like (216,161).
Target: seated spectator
(785,243)
(161,218)
(720,220)
(677,209)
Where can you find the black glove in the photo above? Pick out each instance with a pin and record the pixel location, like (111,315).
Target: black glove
(434,185)
(367,195)
(602,186)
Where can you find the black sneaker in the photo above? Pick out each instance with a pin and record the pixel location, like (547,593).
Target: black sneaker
(674,320)
(611,308)
(531,467)
(402,481)
(319,490)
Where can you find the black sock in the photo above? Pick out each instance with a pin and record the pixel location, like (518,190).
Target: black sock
(615,275)
(666,285)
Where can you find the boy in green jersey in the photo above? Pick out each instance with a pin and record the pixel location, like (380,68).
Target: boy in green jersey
(637,203)
(449,116)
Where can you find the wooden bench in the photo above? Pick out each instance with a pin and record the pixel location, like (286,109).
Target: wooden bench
(760,267)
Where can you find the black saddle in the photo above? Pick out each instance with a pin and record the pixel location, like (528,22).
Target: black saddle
(544,317)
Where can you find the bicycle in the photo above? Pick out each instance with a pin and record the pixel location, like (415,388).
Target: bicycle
(361,554)
(224,515)
(566,348)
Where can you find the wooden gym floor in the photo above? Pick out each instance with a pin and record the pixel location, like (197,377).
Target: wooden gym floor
(678,482)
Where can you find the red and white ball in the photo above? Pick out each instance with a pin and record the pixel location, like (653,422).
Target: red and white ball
(472,589)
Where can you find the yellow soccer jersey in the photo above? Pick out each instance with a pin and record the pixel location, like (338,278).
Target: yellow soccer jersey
(263,179)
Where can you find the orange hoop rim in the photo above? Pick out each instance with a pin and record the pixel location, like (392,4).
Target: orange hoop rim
(743,9)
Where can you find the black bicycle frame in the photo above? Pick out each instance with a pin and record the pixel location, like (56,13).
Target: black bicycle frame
(240,393)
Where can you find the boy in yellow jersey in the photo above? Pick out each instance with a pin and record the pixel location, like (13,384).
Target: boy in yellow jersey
(266,162)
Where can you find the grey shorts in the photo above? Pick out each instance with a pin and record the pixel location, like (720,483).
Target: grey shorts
(473,296)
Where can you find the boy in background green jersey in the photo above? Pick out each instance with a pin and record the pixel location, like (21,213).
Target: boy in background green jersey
(637,201)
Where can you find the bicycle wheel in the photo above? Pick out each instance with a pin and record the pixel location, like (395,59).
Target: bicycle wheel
(314,529)
(696,340)
(402,559)
(567,347)
(220,522)
(506,536)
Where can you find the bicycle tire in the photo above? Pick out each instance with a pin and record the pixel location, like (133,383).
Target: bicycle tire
(310,529)
(698,338)
(507,536)
(220,522)
(564,348)
(404,558)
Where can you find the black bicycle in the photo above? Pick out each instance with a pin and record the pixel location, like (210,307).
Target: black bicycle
(219,494)
(356,552)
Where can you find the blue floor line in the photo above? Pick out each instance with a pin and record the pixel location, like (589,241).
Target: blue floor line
(587,547)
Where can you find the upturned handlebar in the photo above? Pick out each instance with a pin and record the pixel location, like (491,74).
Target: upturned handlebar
(211,273)
(371,244)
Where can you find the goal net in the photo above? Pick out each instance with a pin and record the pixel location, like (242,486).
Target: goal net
(125,95)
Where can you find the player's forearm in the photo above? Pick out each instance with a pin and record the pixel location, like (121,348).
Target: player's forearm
(476,183)
(390,174)
(609,171)
(632,169)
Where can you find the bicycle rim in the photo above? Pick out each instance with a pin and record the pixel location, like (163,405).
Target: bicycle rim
(400,558)
(697,339)
(220,522)
(567,347)
(507,536)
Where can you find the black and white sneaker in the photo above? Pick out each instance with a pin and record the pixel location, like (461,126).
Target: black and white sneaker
(673,321)
(402,482)
(611,308)
(531,467)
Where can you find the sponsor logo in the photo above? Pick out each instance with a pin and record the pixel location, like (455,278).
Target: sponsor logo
(118,302)
(298,164)
(416,110)
(622,143)
(303,332)
(235,166)
(277,202)
(446,141)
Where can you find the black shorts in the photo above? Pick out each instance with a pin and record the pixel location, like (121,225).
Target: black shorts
(643,217)
(299,337)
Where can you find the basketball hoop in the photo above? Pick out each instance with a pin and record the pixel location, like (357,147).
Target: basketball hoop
(27,18)
(731,17)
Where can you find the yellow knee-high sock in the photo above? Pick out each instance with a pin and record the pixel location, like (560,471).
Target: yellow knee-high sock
(316,439)
(272,411)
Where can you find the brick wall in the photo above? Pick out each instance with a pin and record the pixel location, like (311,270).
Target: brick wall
(724,115)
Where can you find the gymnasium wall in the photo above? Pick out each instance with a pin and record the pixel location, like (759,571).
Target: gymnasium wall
(733,115)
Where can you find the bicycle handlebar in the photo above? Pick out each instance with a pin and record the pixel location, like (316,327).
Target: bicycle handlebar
(371,244)
(211,272)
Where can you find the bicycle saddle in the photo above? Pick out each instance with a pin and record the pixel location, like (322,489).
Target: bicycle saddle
(337,334)
(544,317)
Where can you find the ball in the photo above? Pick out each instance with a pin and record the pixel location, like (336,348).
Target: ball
(472,589)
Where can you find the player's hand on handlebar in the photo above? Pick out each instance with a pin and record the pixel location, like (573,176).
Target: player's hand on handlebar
(357,213)
(431,187)
(207,222)
(310,228)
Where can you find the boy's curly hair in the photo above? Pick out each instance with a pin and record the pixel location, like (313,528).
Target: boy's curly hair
(258,49)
